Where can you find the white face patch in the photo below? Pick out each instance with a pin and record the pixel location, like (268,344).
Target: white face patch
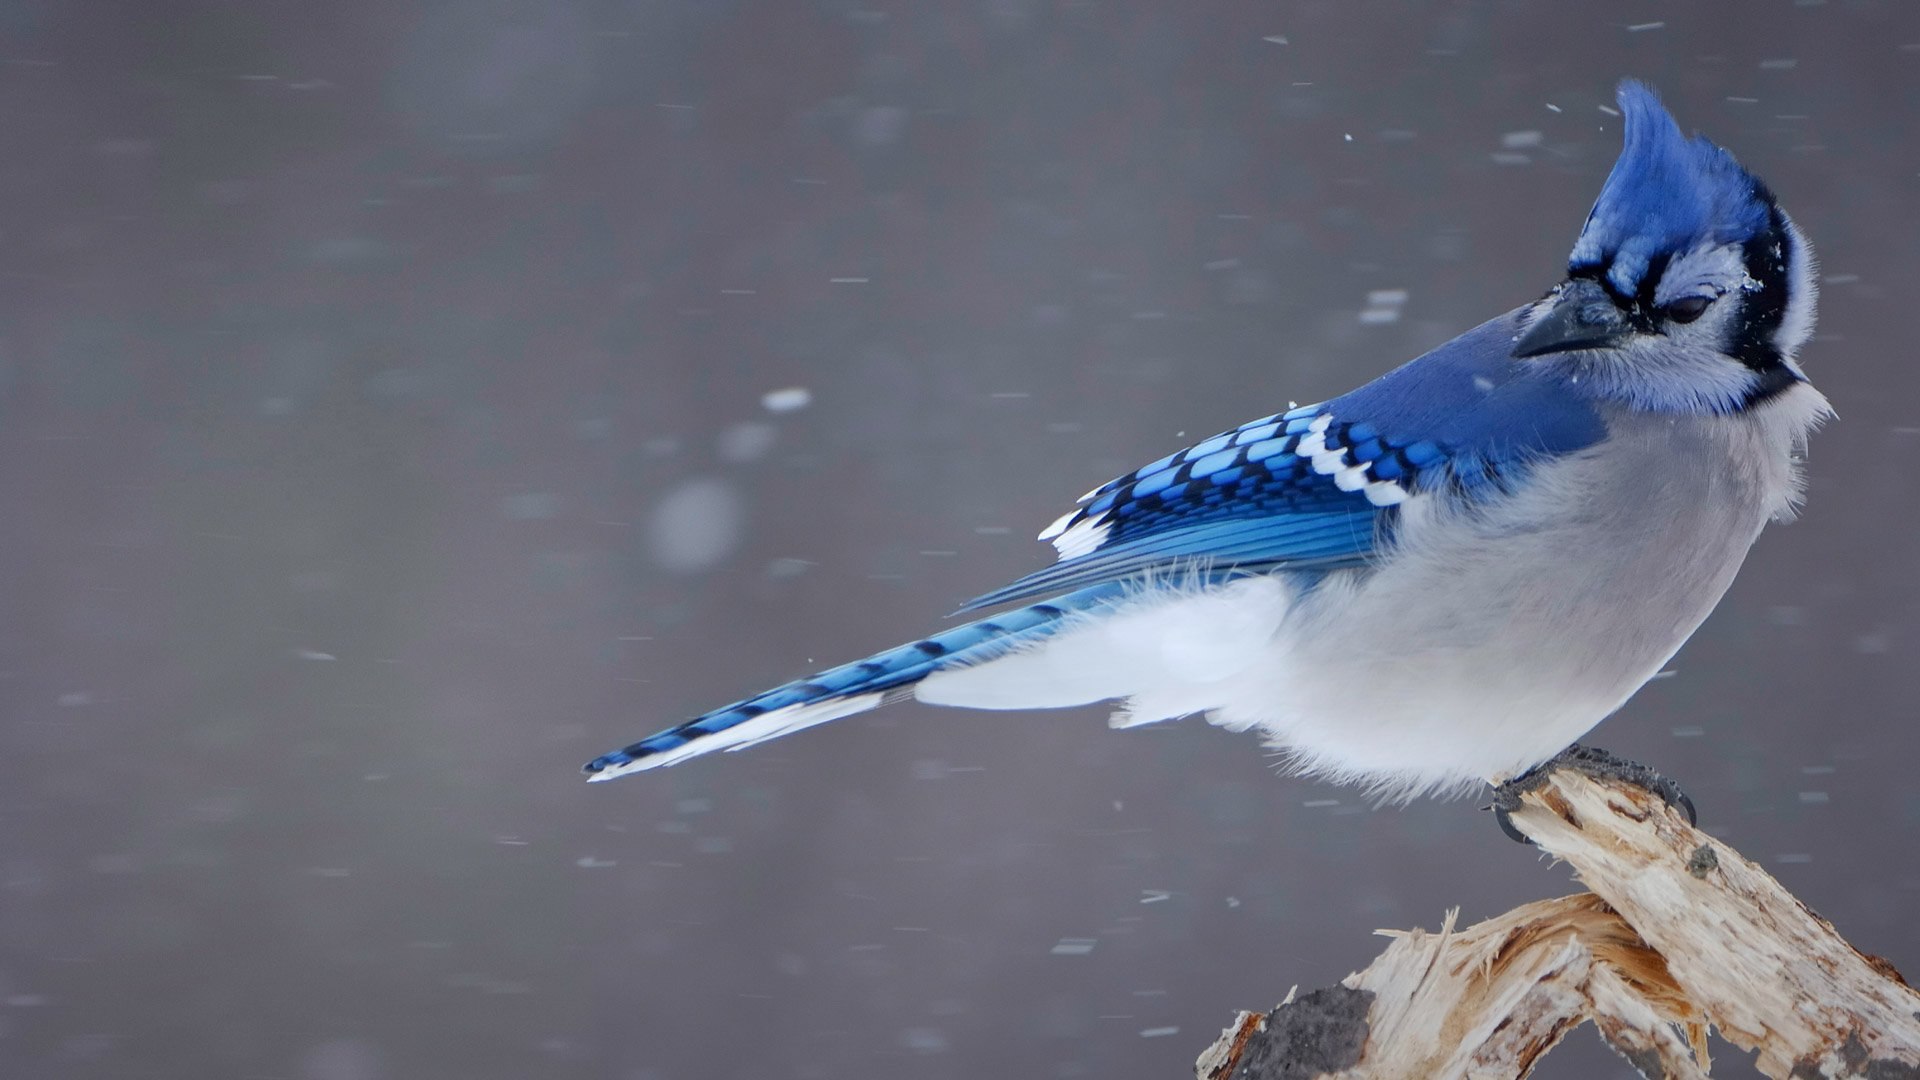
(1710,270)
(1699,351)
(1719,272)
(1803,292)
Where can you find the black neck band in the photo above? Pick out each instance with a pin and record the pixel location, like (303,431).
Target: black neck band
(1753,336)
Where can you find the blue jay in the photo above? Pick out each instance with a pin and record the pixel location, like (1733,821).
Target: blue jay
(1448,575)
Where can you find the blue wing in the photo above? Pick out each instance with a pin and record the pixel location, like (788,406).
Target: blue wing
(1316,488)
(1251,497)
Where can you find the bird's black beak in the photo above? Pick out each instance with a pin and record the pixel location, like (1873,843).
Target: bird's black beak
(1583,316)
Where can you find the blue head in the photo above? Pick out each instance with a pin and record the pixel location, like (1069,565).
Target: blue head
(1689,289)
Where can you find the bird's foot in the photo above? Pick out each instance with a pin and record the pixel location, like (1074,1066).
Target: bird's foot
(1592,762)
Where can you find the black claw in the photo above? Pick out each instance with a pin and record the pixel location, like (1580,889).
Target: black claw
(1505,821)
(1592,762)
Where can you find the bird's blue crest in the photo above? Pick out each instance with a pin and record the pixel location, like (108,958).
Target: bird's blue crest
(1666,194)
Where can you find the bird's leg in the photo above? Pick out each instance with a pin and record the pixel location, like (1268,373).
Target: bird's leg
(1595,763)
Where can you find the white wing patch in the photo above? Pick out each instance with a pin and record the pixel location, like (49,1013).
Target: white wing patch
(1084,538)
(1073,539)
(1385,493)
(1076,533)
(1059,525)
(1313,447)
(1350,477)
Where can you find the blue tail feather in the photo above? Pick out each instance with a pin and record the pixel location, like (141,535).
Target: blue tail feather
(887,672)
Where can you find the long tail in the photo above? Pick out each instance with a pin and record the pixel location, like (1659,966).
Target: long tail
(847,689)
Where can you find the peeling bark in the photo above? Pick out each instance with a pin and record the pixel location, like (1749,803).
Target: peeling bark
(1679,933)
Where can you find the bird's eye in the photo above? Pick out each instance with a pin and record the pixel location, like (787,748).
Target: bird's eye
(1688,308)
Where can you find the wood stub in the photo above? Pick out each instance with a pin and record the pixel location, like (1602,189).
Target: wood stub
(1679,934)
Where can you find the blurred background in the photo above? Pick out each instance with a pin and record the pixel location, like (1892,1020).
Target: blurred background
(402,402)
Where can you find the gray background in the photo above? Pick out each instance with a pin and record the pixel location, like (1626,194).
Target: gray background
(381,401)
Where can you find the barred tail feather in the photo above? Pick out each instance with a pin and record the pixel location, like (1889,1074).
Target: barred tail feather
(847,689)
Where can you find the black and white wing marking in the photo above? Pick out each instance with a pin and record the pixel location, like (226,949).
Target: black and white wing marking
(1303,490)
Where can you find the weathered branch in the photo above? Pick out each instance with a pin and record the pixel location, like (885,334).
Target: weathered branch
(1679,932)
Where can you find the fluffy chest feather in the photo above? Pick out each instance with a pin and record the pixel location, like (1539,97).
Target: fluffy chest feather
(1493,636)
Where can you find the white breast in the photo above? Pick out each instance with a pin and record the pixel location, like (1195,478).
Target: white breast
(1485,644)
